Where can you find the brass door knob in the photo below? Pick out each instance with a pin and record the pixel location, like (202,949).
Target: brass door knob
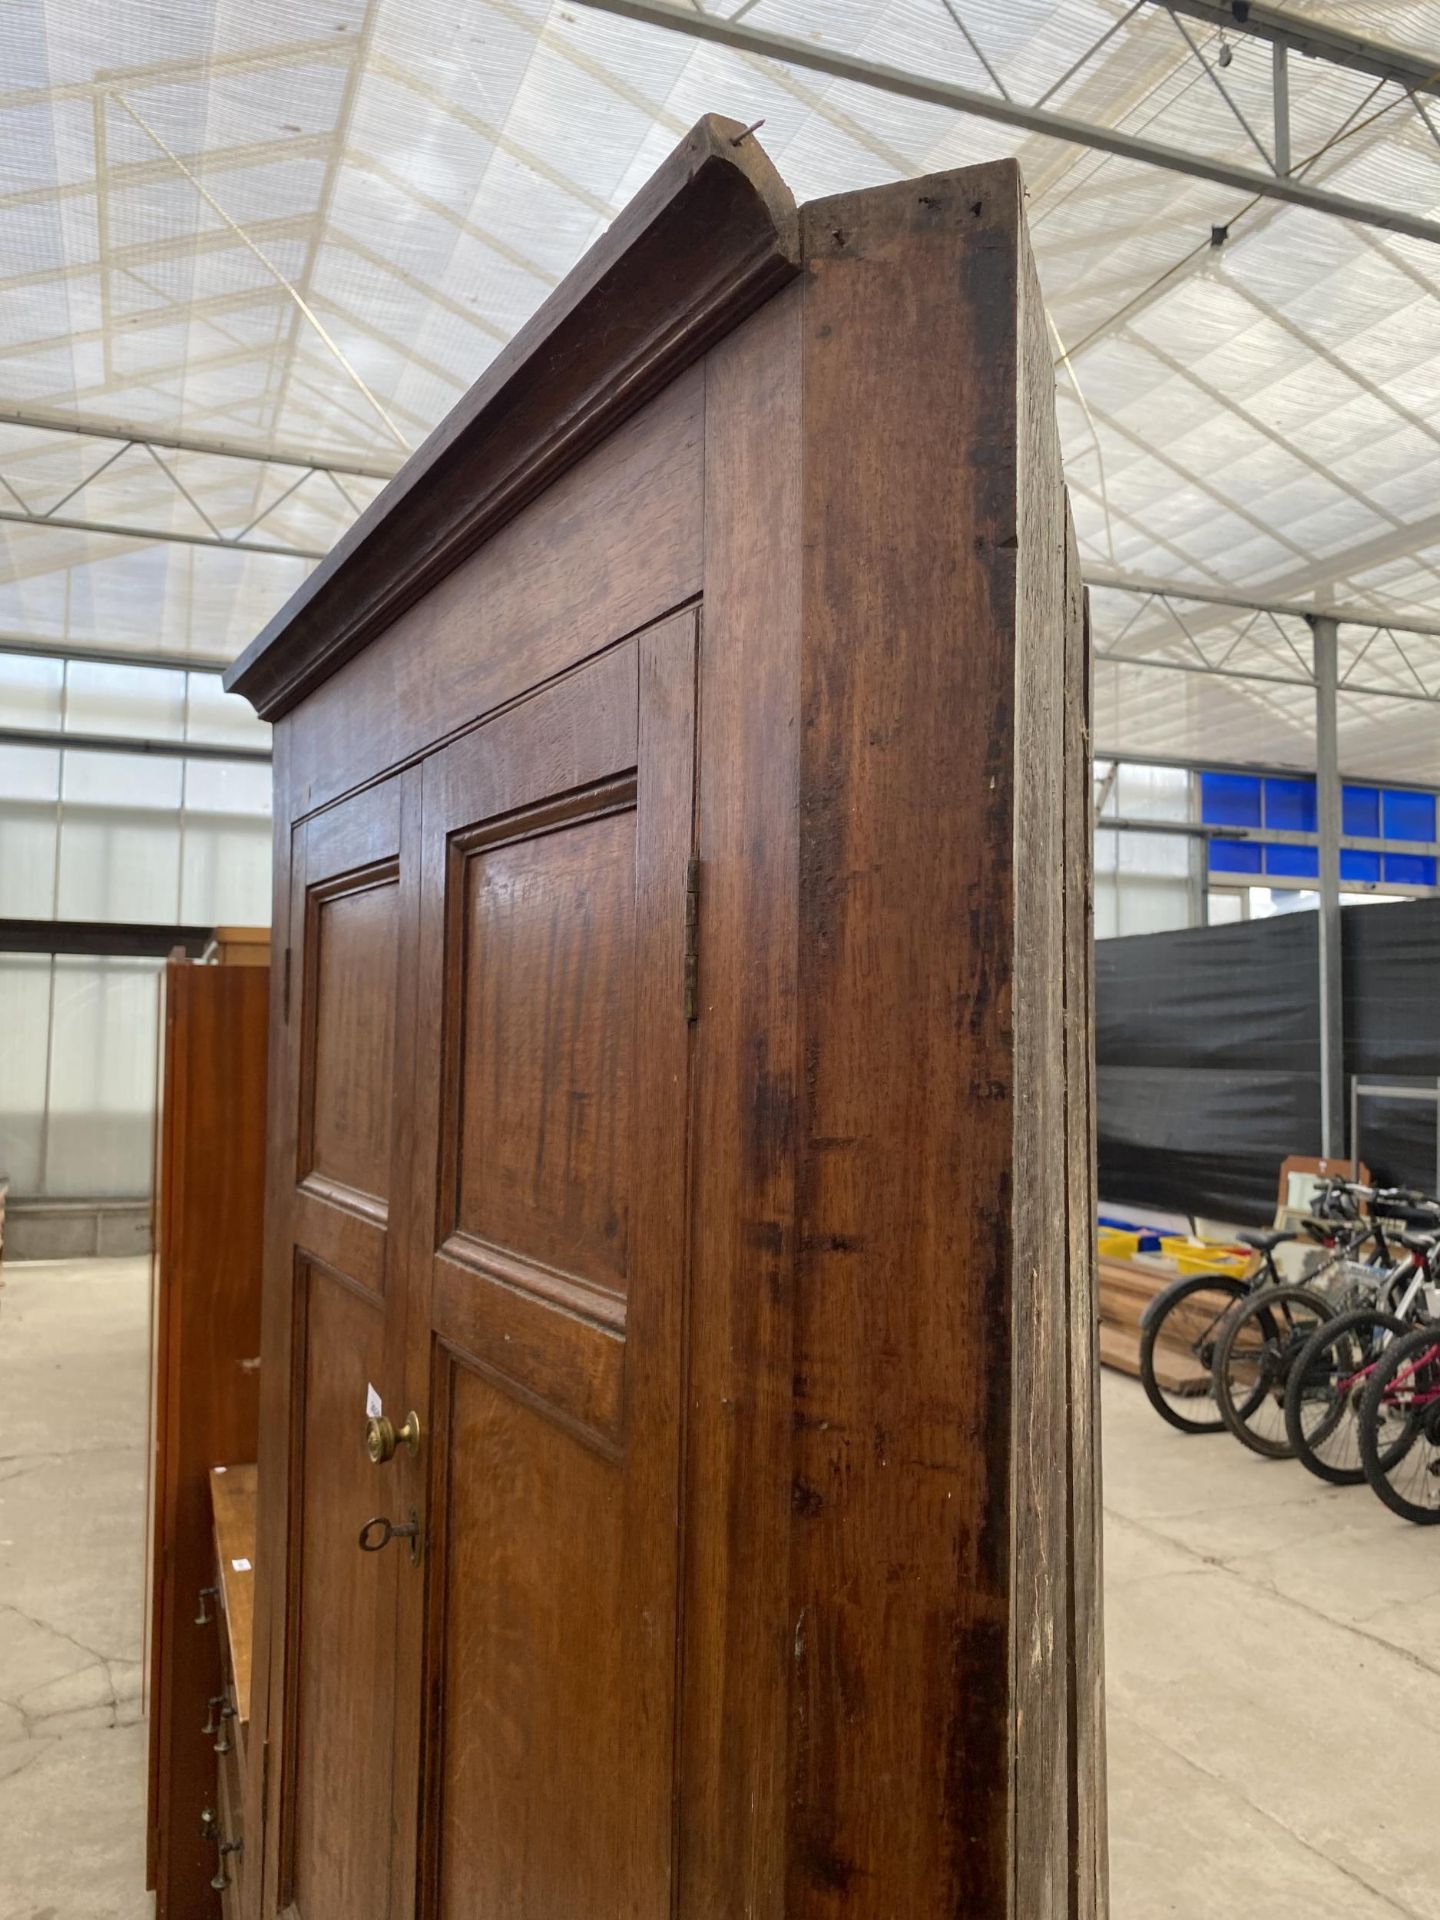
(382,1437)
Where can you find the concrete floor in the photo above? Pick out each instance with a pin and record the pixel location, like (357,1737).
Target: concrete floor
(73,1371)
(1273,1685)
(1271,1646)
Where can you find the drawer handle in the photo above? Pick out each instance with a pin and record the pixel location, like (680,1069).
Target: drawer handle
(203,1618)
(382,1438)
(221,1879)
(215,1700)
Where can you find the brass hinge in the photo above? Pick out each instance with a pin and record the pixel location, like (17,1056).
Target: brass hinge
(285,987)
(692,938)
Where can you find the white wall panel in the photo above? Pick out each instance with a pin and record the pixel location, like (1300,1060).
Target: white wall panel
(102,1077)
(24,1028)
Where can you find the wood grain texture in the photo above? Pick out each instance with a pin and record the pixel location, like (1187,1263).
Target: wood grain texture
(1090,1874)
(232,1502)
(736,1648)
(344,1642)
(555,587)
(209,1213)
(754,1357)
(708,239)
(335,1326)
(901,1560)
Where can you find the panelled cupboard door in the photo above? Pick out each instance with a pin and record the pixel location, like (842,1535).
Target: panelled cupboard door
(553,1043)
(353,911)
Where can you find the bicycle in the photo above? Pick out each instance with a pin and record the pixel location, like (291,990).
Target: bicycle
(1188,1317)
(1262,1341)
(1399,1422)
(1328,1380)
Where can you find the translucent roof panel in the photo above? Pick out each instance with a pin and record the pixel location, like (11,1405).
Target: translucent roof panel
(289,237)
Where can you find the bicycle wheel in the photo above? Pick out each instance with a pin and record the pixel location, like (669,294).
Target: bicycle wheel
(1325,1388)
(1258,1346)
(1399,1423)
(1178,1336)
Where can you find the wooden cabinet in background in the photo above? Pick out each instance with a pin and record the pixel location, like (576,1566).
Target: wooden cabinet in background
(209,1229)
(680,1107)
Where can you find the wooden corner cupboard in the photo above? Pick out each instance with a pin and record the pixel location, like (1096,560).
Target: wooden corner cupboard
(677,1472)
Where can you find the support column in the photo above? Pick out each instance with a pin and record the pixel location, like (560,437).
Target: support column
(1281,76)
(1327,820)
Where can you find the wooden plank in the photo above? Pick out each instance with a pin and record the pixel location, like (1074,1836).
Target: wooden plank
(736,1653)
(232,1497)
(1175,1370)
(929,1345)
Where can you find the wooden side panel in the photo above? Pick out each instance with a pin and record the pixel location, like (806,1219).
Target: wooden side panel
(928,1730)
(1041,1675)
(1090,1873)
(738,1636)
(210,1209)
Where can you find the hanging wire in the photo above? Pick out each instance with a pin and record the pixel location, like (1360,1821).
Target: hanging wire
(270,267)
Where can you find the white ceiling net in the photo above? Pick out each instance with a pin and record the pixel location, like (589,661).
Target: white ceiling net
(303,230)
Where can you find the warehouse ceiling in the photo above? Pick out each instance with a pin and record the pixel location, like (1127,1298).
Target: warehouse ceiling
(302,230)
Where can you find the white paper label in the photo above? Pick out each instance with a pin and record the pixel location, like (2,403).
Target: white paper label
(373,1406)
(241,1566)
(219,1469)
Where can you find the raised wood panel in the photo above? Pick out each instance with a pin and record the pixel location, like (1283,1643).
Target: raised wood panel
(343,1614)
(537,1710)
(546,1029)
(352,939)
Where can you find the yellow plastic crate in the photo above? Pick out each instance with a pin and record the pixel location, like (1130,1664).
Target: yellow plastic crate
(1115,1244)
(1213,1260)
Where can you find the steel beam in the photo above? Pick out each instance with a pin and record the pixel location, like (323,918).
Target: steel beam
(1280,90)
(1262,679)
(1416,72)
(1266,836)
(1328,818)
(18,643)
(66,742)
(1188,764)
(1012,113)
(104,939)
(1349,616)
(88,428)
(149,536)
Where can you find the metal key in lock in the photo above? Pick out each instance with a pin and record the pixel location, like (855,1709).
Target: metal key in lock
(372,1541)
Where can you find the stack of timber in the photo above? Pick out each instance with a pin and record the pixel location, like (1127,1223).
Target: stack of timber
(1126,1287)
